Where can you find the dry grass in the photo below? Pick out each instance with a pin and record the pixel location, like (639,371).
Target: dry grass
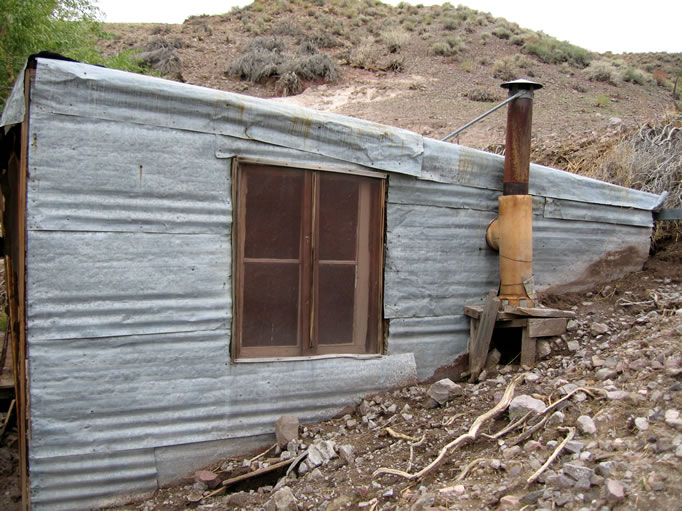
(650,159)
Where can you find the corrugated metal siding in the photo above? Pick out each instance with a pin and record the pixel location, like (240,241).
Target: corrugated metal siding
(129,270)
(91,92)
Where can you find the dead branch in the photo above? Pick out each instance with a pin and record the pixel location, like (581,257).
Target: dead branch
(260,471)
(555,454)
(526,434)
(395,434)
(470,436)
(509,428)
(263,453)
(465,471)
(412,446)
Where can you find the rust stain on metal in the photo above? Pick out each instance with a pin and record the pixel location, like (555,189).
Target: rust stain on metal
(517,155)
(612,266)
(301,126)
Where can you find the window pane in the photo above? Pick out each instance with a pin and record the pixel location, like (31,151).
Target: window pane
(338,211)
(274,199)
(270,315)
(336,302)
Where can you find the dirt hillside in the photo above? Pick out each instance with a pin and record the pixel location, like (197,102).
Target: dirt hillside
(427,69)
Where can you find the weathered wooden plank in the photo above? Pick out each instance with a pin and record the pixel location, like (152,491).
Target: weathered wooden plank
(479,347)
(539,313)
(547,327)
(527,348)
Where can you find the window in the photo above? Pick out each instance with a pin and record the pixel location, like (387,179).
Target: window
(308,247)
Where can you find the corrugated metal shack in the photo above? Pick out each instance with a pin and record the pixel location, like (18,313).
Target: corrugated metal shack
(119,215)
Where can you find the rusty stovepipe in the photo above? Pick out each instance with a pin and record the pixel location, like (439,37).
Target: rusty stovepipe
(512,232)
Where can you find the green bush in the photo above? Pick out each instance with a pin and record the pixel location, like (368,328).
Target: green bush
(508,67)
(633,75)
(601,71)
(553,51)
(451,46)
(501,32)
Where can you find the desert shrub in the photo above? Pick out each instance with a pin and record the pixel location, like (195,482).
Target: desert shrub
(633,75)
(288,84)
(467,66)
(661,78)
(395,38)
(409,26)
(650,159)
(450,46)
(481,95)
(518,40)
(552,51)
(160,55)
(307,47)
(287,27)
(508,67)
(501,32)
(485,37)
(450,24)
(601,71)
(265,60)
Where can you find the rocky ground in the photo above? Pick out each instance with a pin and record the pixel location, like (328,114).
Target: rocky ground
(605,403)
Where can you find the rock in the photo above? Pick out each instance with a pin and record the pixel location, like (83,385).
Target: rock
(641,423)
(574,446)
(207,477)
(543,349)
(586,425)
(320,452)
(532,445)
(605,373)
(572,325)
(200,486)
(560,481)
(556,418)
(509,502)
(577,472)
(286,429)
(364,408)
(456,490)
(598,329)
(511,452)
(562,499)
(617,395)
(316,475)
(523,404)
(424,502)
(531,377)
(573,345)
(444,390)
(615,491)
(532,497)
(672,418)
(282,500)
(493,358)
(346,454)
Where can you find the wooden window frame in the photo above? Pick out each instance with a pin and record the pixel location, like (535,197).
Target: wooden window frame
(307,346)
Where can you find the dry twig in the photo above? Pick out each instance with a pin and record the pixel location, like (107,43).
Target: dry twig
(509,428)
(263,453)
(555,454)
(395,434)
(465,471)
(470,436)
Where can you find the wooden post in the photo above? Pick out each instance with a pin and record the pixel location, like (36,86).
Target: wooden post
(478,346)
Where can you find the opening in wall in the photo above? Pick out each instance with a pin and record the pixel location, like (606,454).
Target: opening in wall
(308,248)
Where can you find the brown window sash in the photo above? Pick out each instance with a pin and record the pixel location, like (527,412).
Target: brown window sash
(322,296)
